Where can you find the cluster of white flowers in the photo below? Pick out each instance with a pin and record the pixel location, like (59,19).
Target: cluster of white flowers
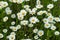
(3,4)
(24,22)
(49,21)
(41,12)
(33,11)
(18,1)
(11,36)
(21,14)
(13,28)
(38,32)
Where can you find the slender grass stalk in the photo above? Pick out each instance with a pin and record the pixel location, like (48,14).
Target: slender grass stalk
(47,34)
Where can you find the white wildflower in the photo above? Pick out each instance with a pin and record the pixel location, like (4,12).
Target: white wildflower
(33,19)
(5,19)
(24,22)
(35,30)
(36,37)
(40,33)
(56,32)
(5,30)
(1,35)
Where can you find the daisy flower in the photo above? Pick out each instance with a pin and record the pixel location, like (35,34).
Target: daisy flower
(13,23)
(33,19)
(5,30)
(50,6)
(57,33)
(23,12)
(53,27)
(5,19)
(45,20)
(35,30)
(40,33)
(13,16)
(36,37)
(18,26)
(47,25)
(1,35)
(57,19)
(8,11)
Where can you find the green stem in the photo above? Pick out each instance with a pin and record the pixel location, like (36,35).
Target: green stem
(47,34)
(23,4)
